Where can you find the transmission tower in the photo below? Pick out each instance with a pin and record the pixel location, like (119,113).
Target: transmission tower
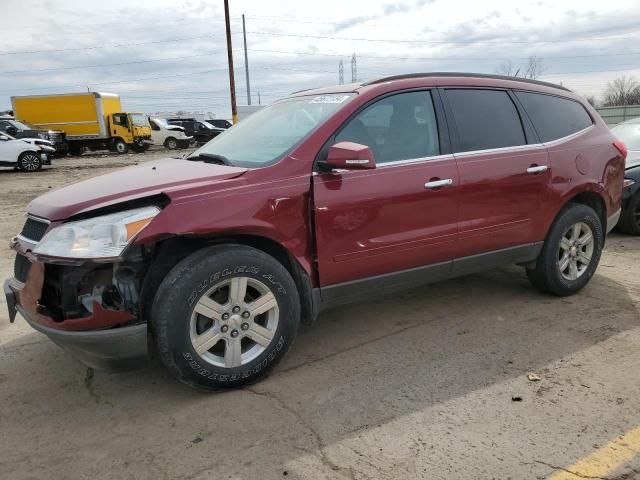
(354,68)
(341,73)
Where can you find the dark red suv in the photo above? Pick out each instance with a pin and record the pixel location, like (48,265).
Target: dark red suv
(325,197)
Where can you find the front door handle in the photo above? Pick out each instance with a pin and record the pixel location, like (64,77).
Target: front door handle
(537,169)
(438,183)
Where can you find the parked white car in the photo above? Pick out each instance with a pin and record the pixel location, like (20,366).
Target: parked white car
(171,136)
(27,154)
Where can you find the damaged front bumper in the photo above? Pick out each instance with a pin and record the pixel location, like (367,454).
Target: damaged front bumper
(105,339)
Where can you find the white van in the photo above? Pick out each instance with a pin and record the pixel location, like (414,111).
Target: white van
(171,136)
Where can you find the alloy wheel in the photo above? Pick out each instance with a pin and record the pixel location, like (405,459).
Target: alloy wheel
(30,162)
(234,322)
(576,250)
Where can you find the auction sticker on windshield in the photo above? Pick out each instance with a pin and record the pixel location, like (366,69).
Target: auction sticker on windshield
(330,99)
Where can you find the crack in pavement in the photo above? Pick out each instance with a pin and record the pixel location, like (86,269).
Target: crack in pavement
(345,472)
(356,346)
(554,467)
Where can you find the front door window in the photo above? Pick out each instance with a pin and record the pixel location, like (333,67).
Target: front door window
(398,127)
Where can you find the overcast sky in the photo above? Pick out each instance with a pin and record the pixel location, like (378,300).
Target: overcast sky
(164,55)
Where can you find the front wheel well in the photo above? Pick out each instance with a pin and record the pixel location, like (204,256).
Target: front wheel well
(166,254)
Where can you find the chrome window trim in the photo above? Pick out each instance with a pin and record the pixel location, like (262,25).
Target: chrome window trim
(414,160)
(515,148)
(568,137)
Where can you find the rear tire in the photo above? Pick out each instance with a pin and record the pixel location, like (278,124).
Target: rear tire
(209,327)
(29,162)
(630,219)
(571,252)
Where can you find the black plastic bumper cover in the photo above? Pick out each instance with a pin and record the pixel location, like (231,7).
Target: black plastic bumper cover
(115,349)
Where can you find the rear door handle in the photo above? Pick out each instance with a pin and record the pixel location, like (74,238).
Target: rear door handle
(537,169)
(438,183)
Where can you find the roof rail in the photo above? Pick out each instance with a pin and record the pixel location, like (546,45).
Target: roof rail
(467,75)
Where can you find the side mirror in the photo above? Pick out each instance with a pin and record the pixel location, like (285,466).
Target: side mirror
(3,138)
(350,156)
(11,130)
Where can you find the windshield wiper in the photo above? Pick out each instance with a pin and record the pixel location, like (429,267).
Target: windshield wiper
(210,158)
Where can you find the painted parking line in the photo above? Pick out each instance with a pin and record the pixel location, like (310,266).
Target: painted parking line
(605,460)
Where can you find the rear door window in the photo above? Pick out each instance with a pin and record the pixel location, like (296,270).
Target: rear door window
(398,127)
(485,119)
(554,117)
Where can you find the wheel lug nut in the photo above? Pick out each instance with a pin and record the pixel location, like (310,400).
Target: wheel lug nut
(225,316)
(234,333)
(224,328)
(245,314)
(245,326)
(236,309)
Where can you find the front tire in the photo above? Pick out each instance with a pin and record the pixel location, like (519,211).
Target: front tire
(224,316)
(630,218)
(29,162)
(571,252)
(120,146)
(171,143)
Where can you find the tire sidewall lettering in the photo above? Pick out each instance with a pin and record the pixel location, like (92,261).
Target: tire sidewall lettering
(235,376)
(215,277)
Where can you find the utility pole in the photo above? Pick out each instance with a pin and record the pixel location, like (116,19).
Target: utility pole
(246,61)
(232,82)
(341,73)
(259,101)
(354,68)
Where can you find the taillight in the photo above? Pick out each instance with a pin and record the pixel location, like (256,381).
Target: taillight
(621,147)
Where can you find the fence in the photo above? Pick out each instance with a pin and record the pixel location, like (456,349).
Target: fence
(614,115)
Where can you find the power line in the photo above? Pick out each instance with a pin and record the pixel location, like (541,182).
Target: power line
(96,47)
(122,81)
(435,58)
(438,42)
(78,67)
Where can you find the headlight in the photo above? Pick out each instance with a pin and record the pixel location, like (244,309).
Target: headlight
(628,182)
(99,237)
(43,136)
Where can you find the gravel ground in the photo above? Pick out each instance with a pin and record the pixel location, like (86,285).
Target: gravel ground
(417,385)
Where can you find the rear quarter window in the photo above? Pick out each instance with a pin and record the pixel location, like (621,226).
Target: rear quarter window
(554,117)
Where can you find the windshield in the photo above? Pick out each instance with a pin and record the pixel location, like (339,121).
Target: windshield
(265,136)
(629,133)
(20,125)
(161,122)
(139,120)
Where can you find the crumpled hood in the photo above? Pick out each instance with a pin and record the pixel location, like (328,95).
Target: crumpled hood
(633,158)
(151,178)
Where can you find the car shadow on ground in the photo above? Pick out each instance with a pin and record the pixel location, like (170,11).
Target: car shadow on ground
(358,367)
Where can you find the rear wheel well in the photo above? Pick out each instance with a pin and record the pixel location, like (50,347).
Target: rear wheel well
(595,201)
(168,253)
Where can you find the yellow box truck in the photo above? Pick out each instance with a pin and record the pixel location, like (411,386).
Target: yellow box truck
(90,120)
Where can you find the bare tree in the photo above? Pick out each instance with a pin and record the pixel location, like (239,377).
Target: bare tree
(534,67)
(622,91)
(592,100)
(506,68)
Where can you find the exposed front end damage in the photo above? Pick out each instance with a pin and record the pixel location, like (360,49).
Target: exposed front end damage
(90,309)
